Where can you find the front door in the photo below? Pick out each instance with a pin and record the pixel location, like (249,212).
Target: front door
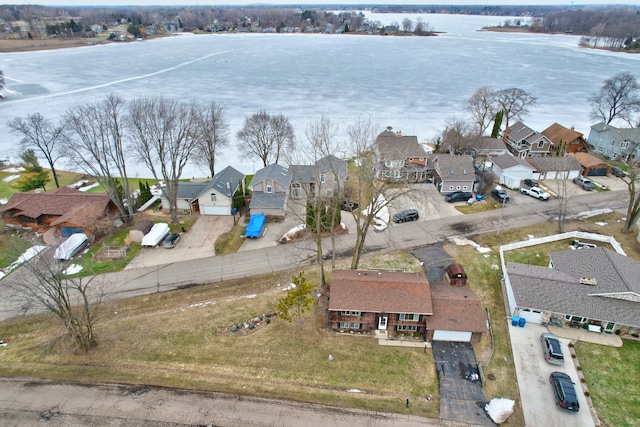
(382,322)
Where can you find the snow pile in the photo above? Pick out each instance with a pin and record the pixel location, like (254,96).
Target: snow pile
(89,187)
(10,178)
(461,241)
(26,256)
(381,219)
(499,409)
(13,170)
(72,269)
(3,201)
(293,233)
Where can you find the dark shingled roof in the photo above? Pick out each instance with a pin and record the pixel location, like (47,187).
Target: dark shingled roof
(262,200)
(392,146)
(456,308)
(380,292)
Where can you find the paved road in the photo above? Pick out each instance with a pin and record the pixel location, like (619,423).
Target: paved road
(145,280)
(34,402)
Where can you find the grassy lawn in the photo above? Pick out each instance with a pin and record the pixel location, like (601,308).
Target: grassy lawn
(485,205)
(11,246)
(230,242)
(612,376)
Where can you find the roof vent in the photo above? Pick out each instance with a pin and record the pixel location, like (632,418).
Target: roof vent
(452,172)
(379,274)
(588,281)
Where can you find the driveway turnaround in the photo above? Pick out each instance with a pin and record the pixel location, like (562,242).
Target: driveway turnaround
(536,394)
(461,396)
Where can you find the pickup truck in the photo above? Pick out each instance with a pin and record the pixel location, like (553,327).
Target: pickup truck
(536,192)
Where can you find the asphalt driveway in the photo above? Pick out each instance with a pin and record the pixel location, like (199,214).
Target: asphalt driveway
(461,396)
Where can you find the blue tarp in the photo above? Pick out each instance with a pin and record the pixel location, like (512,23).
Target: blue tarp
(255,226)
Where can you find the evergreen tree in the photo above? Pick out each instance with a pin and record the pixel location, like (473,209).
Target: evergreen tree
(298,300)
(497,124)
(145,193)
(34,176)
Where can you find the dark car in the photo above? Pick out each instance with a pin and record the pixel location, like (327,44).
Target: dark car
(551,349)
(348,205)
(171,240)
(458,196)
(531,183)
(617,171)
(406,216)
(583,182)
(500,195)
(565,392)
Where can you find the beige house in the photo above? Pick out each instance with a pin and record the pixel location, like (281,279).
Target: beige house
(400,157)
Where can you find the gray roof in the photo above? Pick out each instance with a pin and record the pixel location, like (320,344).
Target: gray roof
(519,131)
(506,161)
(620,134)
(302,173)
(310,173)
(615,296)
(392,146)
(454,167)
(278,173)
(262,200)
(543,164)
(190,190)
(227,177)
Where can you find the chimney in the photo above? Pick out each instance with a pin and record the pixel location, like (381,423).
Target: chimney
(399,133)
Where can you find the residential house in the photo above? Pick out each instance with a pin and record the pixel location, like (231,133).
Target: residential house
(511,170)
(389,303)
(592,166)
(566,140)
(400,157)
(453,173)
(270,191)
(590,286)
(615,143)
(62,212)
(565,167)
(323,179)
(523,141)
(486,146)
(208,198)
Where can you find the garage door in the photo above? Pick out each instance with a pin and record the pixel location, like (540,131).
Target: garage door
(598,172)
(215,210)
(531,316)
(68,231)
(439,335)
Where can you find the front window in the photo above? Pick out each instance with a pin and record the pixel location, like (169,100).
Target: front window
(408,328)
(322,179)
(411,316)
(540,144)
(624,144)
(350,313)
(269,189)
(329,192)
(213,197)
(349,325)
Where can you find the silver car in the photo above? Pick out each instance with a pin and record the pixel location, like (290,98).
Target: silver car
(551,349)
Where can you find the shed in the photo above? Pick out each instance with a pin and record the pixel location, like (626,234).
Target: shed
(592,165)
(139,229)
(456,275)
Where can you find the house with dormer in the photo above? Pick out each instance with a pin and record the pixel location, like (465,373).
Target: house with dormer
(522,141)
(324,178)
(453,173)
(270,191)
(208,198)
(594,288)
(566,141)
(615,143)
(400,158)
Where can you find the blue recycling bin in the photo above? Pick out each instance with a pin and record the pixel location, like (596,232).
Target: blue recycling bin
(514,321)
(479,197)
(522,322)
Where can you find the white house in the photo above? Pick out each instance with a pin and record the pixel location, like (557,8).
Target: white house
(511,170)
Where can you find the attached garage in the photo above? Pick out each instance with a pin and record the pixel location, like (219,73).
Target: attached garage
(67,231)
(592,165)
(215,210)
(532,316)
(441,335)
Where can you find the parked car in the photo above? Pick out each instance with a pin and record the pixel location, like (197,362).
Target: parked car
(458,196)
(617,171)
(406,216)
(551,348)
(171,240)
(531,183)
(565,392)
(583,182)
(348,205)
(500,195)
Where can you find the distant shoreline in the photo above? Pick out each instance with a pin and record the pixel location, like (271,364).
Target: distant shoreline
(9,46)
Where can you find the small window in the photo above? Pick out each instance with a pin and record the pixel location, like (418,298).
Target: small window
(624,144)
(458,187)
(335,178)
(599,149)
(408,328)
(213,197)
(322,178)
(329,192)
(540,144)
(350,313)
(411,316)
(348,325)
(411,159)
(464,187)
(269,189)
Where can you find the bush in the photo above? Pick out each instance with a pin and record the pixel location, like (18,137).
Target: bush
(570,345)
(583,380)
(573,355)
(579,368)
(586,393)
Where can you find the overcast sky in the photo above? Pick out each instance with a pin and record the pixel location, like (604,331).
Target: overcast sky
(289,2)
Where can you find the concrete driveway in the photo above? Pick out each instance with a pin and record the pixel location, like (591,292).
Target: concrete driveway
(461,396)
(196,243)
(536,393)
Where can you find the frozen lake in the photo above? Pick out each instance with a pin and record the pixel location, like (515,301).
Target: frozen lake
(410,83)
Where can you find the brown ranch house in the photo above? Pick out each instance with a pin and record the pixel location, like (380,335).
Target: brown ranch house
(397,303)
(58,213)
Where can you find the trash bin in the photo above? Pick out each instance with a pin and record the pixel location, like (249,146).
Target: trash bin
(514,321)
(479,197)
(522,322)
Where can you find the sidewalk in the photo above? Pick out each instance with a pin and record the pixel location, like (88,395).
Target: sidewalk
(579,334)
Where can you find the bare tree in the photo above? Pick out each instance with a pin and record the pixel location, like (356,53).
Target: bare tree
(482,107)
(164,140)
(457,134)
(1,80)
(633,175)
(407,25)
(97,146)
(39,133)
(515,103)
(212,132)
(365,188)
(43,286)
(266,137)
(617,99)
